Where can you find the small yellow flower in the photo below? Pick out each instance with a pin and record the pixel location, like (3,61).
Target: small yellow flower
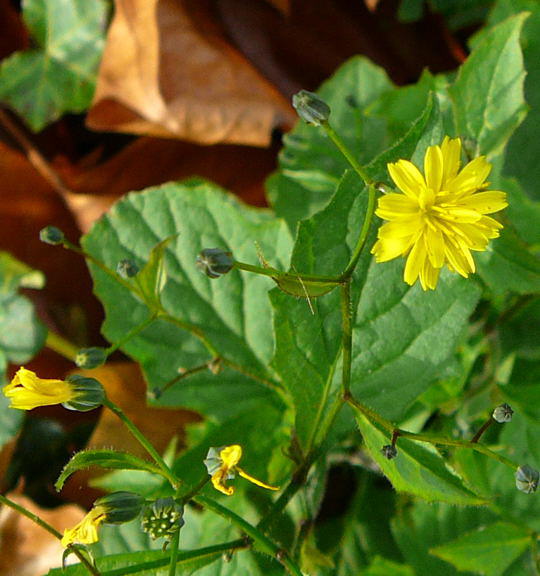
(28,391)
(440,216)
(221,464)
(85,532)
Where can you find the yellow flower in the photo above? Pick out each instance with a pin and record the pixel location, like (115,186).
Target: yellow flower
(85,532)
(440,216)
(221,464)
(28,391)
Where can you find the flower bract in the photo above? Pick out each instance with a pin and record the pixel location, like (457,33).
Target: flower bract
(222,465)
(85,532)
(27,391)
(439,216)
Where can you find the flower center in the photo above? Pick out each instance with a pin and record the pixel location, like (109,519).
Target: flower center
(426,199)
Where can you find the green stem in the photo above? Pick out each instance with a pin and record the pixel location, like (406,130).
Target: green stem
(297,481)
(174,552)
(362,238)
(397,432)
(158,392)
(336,139)
(346,324)
(482,429)
(50,529)
(144,442)
(459,444)
(133,332)
(264,543)
(61,346)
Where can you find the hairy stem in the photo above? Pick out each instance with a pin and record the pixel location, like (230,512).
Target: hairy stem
(341,146)
(264,543)
(144,442)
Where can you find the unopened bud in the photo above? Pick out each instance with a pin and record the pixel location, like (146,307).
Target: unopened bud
(527,479)
(162,518)
(127,268)
(503,413)
(214,262)
(51,235)
(120,506)
(88,393)
(389,451)
(311,108)
(91,357)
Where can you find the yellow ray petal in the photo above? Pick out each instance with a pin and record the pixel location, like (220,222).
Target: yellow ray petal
(407,177)
(433,168)
(486,202)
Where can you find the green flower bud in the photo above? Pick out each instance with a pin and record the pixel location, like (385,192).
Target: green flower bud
(88,393)
(51,235)
(311,108)
(503,413)
(527,479)
(162,518)
(389,451)
(91,357)
(214,262)
(120,506)
(127,268)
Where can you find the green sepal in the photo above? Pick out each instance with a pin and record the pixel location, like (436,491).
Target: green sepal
(152,278)
(105,459)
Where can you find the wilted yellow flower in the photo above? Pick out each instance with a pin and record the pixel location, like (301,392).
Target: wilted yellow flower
(85,532)
(440,216)
(221,464)
(27,391)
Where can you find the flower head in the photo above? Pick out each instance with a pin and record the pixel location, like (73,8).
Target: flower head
(28,391)
(114,508)
(221,464)
(440,216)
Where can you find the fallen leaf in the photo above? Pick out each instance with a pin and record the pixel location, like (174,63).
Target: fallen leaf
(26,549)
(168,71)
(153,161)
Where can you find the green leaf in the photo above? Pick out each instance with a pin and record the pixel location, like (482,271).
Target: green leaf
(384,567)
(147,563)
(59,74)
(489,550)
(488,92)
(21,333)
(522,153)
(423,526)
(508,266)
(105,459)
(394,356)
(15,274)
(230,316)
(417,469)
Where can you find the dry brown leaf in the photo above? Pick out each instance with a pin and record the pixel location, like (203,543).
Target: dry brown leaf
(168,72)
(153,161)
(371,4)
(26,549)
